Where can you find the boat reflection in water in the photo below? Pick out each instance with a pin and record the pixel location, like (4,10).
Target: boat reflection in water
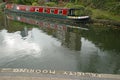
(70,38)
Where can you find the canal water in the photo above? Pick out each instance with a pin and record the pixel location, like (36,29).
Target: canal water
(27,42)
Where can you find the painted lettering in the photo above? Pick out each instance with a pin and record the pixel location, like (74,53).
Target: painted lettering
(45,71)
(32,70)
(38,71)
(52,72)
(72,73)
(65,73)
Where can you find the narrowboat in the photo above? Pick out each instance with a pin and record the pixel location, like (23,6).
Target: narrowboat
(64,14)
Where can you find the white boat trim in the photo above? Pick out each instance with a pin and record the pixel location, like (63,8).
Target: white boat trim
(78,17)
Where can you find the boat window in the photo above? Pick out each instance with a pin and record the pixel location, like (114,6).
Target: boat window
(52,11)
(60,11)
(45,10)
(27,9)
(72,12)
(37,10)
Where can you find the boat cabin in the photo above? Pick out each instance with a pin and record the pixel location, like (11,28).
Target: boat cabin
(49,10)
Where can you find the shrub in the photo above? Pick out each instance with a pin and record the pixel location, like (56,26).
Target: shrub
(82,11)
(35,4)
(115,8)
(2,6)
(51,4)
(69,5)
(41,2)
(88,11)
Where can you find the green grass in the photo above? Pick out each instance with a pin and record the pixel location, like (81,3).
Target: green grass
(100,14)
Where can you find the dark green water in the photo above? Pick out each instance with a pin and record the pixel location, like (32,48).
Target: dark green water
(50,45)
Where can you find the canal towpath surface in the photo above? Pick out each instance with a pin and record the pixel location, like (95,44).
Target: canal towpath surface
(31,74)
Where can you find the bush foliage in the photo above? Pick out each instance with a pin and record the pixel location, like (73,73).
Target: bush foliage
(51,4)
(107,5)
(83,10)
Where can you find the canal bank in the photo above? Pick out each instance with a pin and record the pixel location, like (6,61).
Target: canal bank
(105,22)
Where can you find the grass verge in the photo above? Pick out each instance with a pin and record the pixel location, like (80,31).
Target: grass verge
(100,14)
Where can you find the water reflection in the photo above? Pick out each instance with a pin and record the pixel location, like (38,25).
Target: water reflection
(70,38)
(95,59)
(59,46)
(105,51)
